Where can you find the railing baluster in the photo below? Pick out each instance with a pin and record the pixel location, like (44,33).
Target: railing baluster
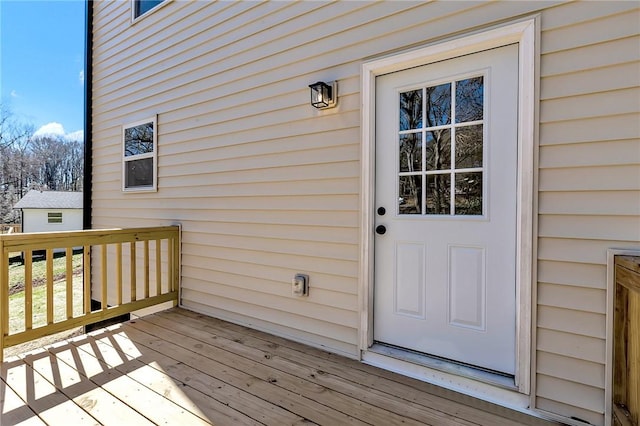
(28,289)
(133,271)
(158,267)
(103,276)
(175,265)
(69,277)
(146,269)
(86,272)
(170,256)
(119,273)
(49,257)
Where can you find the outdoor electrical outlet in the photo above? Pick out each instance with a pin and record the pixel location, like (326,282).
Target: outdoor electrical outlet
(300,285)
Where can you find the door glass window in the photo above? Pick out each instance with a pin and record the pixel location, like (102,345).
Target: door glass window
(441,149)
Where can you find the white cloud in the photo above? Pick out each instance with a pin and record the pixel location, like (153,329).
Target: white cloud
(14,94)
(81,76)
(78,135)
(56,129)
(50,129)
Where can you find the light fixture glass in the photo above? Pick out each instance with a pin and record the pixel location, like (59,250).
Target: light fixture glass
(324,95)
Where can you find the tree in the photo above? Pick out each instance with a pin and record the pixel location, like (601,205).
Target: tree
(11,130)
(28,162)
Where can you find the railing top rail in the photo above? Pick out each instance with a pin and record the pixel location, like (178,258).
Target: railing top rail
(44,240)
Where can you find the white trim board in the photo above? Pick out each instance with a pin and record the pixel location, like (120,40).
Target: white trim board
(523,33)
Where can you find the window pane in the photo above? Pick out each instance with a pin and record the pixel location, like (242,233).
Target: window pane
(410,152)
(439,150)
(138,140)
(439,105)
(411,110)
(410,194)
(469,99)
(469,147)
(469,194)
(143,6)
(438,194)
(138,173)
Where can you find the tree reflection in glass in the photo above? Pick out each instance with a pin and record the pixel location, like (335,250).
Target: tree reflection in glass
(438,198)
(439,149)
(410,195)
(469,146)
(411,152)
(468,193)
(427,155)
(469,99)
(411,110)
(138,140)
(438,105)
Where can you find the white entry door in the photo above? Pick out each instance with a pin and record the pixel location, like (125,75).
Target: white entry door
(446,198)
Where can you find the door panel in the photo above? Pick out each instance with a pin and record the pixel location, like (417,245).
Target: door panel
(446,167)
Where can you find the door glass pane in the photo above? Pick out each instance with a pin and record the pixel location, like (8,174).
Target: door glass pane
(439,149)
(410,194)
(469,146)
(438,197)
(469,99)
(438,105)
(411,152)
(468,193)
(425,147)
(411,110)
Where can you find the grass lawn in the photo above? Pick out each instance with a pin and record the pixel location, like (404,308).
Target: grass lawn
(39,271)
(39,307)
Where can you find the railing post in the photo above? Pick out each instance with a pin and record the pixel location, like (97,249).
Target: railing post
(4,295)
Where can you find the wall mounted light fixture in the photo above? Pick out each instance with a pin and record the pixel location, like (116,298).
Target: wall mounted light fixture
(324,95)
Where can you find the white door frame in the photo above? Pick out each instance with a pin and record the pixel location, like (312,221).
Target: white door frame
(523,33)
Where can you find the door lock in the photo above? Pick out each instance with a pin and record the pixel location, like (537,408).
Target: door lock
(381,229)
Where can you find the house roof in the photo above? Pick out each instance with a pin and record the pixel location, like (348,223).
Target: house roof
(35,199)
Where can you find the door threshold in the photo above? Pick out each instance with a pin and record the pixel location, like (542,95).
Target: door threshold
(493,378)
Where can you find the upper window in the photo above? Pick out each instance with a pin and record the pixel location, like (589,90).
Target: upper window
(140,7)
(54,217)
(441,149)
(139,156)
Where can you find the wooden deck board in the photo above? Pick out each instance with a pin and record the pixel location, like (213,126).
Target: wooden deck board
(179,367)
(327,368)
(362,401)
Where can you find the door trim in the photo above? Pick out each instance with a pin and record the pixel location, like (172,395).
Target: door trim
(524,33)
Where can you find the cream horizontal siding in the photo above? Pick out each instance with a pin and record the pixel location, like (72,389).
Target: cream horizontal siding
(589,193)
(245,157)
(264,186)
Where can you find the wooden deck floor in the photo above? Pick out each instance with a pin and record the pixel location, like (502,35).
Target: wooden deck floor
(180,368)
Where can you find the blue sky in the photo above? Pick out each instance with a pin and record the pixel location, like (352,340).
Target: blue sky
(42,63)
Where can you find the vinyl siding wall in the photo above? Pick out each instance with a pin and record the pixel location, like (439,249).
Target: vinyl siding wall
(265,186)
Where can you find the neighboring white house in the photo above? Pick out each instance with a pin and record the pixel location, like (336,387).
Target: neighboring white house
(49,211)
(453,209)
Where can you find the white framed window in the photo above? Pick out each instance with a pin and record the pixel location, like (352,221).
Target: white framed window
(54,217)
(139,156)
(142,7)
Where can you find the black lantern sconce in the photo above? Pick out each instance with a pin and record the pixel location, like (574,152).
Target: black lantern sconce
(324,95)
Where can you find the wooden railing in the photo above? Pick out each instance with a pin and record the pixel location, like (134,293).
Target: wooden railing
(10,228)
(124,269)
(626,368)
